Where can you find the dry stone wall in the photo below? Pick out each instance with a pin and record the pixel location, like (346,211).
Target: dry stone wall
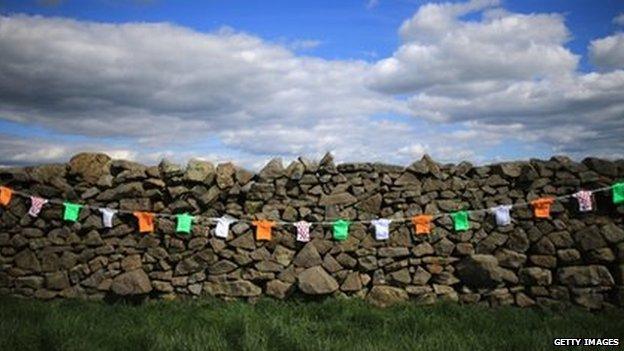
(572,258)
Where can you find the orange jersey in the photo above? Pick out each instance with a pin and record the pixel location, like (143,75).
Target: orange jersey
(541,207)
(422,224)
(263,229)
(5,195)
(146,221)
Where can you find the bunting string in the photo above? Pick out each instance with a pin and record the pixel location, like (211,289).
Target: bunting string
(421,222)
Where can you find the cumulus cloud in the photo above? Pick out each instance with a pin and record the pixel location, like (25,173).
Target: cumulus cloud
(506,69)
(108,80)
(619,19)
(608,53)
(454,88)
(441,49)
(25,151)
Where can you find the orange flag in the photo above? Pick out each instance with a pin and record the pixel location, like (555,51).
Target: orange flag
(5,195)
(422,223)
(541,207)
(146,221)
(263,229)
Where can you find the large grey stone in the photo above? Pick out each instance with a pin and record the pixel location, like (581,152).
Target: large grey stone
(421,276)
(90,166)
(308,257)
(409,179)
(371,204)
(585,276)
(131,262)
(426,165)
(590,238)
(57,280)
(282,255)
(222,267)
(612,233)
(602,166)
(273,169)
(245,241)
(315,281)
(278,289)
(510,259)
(535,276)
(132,283)
(169,169)
(189,265)
(479,271)
(225,175)
(199,171)
(384,296)
(126,190)
(337,199)
(510,169)
(423,249)
(27,260)
(352,282)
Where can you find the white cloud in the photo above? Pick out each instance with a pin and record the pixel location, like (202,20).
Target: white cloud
(440,49)
(454,88)
(608,53)
(23,151)
(413,151)
(619,19)
(504,69)
(107,80)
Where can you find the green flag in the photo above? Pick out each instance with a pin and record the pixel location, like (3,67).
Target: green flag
(71,211)
(185,222)
(618,193)
(461,220)
(341,229)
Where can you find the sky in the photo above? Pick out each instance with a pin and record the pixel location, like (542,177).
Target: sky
(373,80)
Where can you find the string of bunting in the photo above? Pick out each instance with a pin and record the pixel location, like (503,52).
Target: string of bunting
(340,227)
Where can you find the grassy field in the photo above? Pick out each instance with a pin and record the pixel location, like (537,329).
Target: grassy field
(273,325)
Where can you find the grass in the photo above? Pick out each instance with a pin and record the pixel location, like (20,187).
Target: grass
(332,324)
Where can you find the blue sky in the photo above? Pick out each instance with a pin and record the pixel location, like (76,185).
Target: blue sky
(345,29)
(365,38)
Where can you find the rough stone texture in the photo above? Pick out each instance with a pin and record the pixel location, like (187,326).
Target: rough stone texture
(90,167)
(238,288)
(571,257)
(586,276)
(278,289)
(352,282)
(308,257)
(27,260)
(479,271)
(131,283)
(274,169)
(384,296)
(535,276)
(316,281)
(200,171)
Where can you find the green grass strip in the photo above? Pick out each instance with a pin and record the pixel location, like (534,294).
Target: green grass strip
(332,324)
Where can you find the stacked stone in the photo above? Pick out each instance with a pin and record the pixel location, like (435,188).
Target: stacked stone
(572,258)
